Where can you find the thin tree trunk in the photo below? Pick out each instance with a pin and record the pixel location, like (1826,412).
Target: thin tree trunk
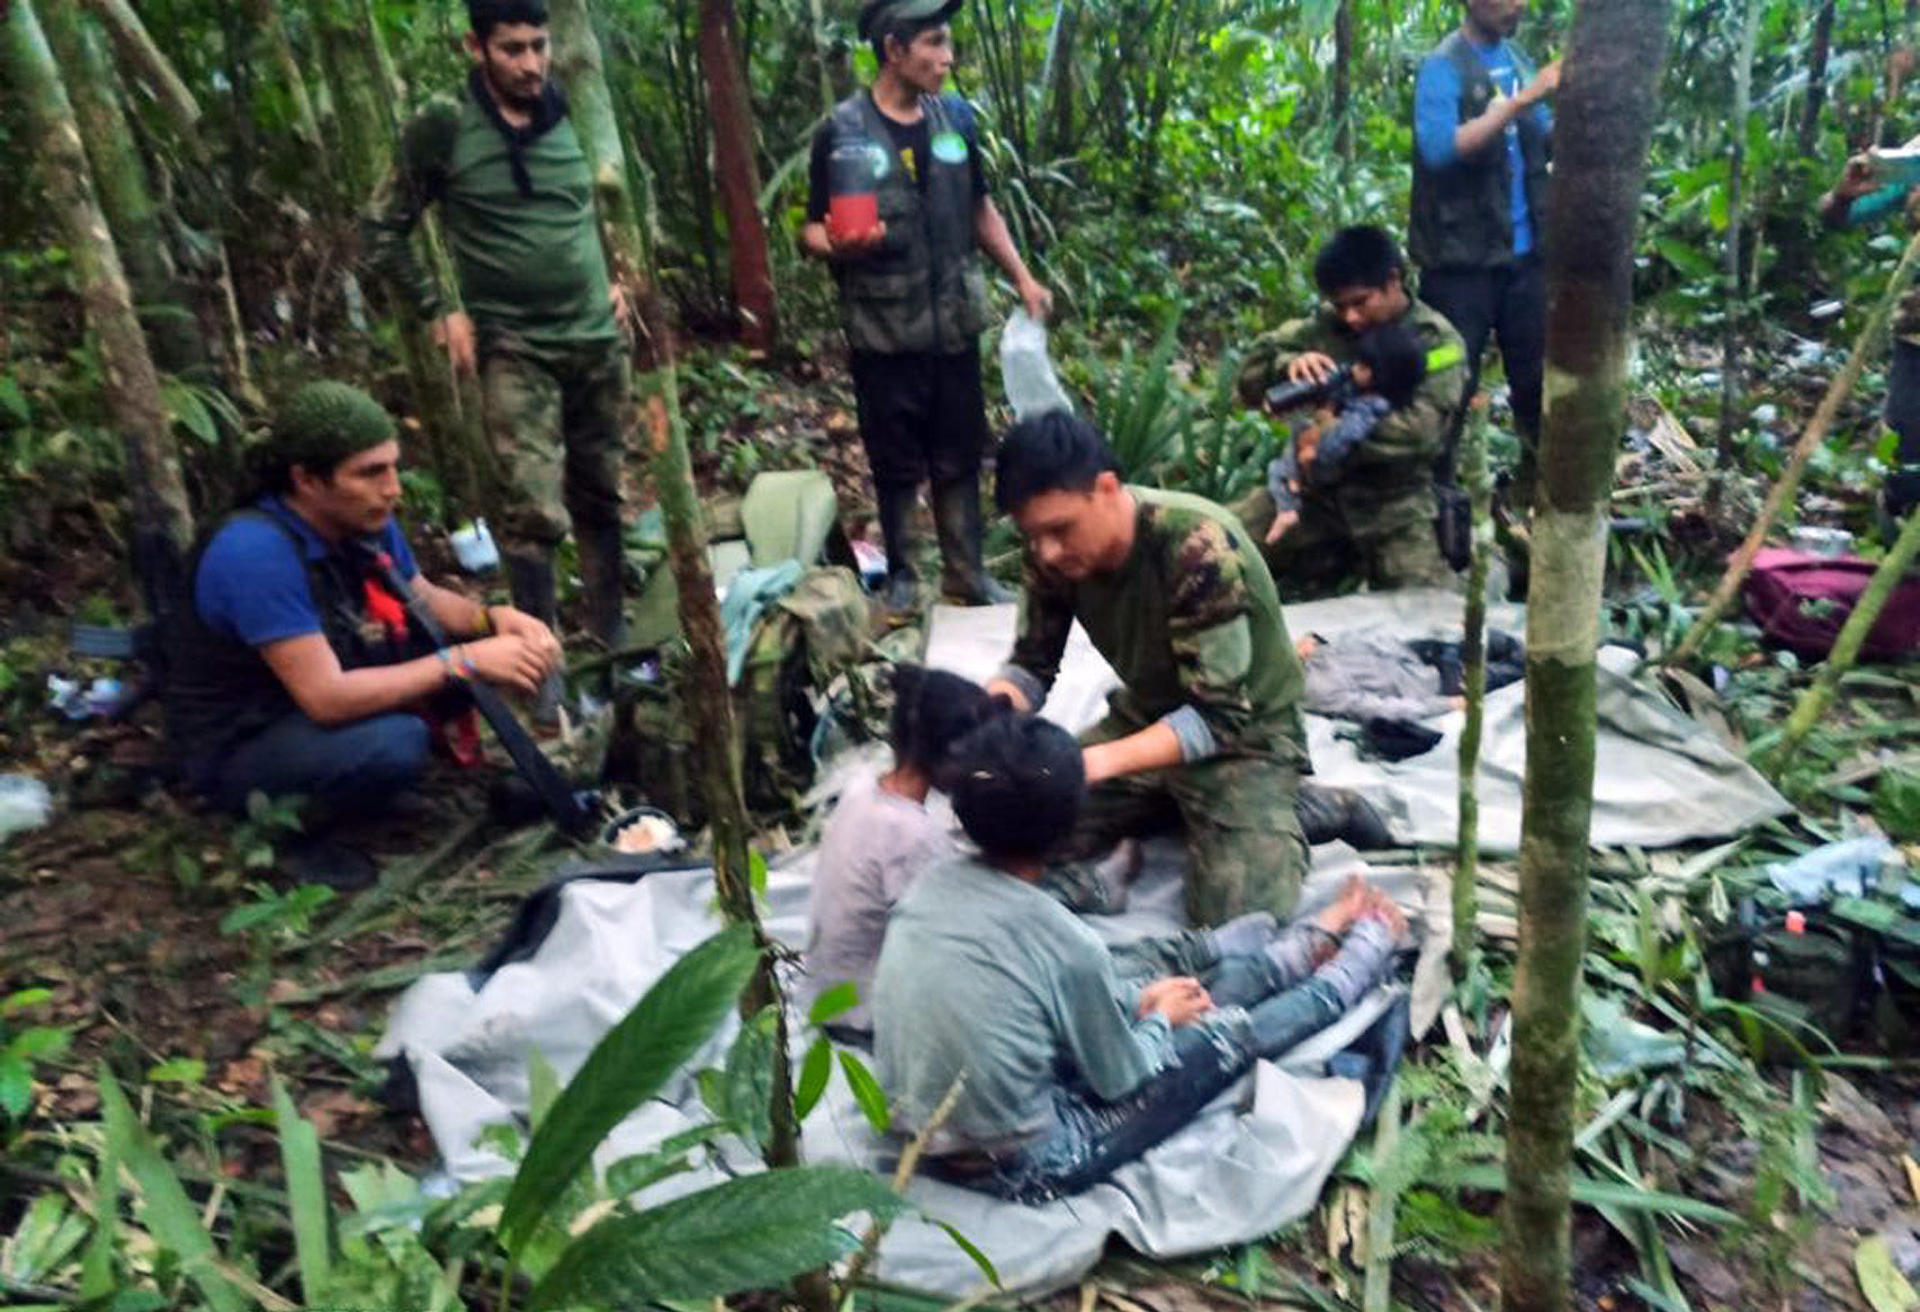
(708,694)
(1819,51)
(1813,703)
(1864,348)
(306,127)
(821,57)
(1343,81)
(152,67)
(131,386)
(1060,124)
(732,116)
(1605,119)
(1474,477)
(120,183)
(1733,317)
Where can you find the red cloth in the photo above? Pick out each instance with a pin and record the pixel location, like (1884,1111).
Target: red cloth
(384,607)
(1801,600)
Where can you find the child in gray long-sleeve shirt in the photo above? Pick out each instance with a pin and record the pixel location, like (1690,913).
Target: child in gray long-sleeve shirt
(1068,1071)
(1388,368)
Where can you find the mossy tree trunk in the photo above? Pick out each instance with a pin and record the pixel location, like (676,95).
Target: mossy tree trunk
(1478,482)
(1819,53)
(130,384)
(138,52)
(120,182)
(1734,312)
(709,697)
(1604,122)
(306,125)
(731,113)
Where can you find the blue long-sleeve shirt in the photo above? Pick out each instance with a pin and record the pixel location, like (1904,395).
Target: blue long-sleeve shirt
(1436,114)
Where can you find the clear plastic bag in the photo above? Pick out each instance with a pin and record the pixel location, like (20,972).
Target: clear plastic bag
(1026,372)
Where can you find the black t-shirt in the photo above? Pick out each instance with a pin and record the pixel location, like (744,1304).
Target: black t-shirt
(912,142)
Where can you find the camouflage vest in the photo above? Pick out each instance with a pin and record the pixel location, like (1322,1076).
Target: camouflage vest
(1462,216)
(922,289)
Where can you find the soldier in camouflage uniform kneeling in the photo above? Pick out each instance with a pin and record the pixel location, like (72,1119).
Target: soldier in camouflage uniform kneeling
(1205,731)
(541,324)
(1376,522)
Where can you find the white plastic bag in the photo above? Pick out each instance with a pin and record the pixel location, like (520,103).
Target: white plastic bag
(1026,372)
(25,804)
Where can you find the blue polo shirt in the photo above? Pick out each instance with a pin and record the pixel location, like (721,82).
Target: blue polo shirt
(1436,113)
(252,582)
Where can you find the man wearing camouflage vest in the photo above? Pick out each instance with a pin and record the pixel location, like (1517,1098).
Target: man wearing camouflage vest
(1482,139)
(912,294)
(541,323)
(1377,521)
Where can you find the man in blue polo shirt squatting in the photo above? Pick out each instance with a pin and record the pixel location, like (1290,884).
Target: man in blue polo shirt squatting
(1482,139)
(292,670)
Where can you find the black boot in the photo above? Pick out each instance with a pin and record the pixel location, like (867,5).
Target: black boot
(530,581)
(603,564)
(1330,813)
(896,501)
(956,515)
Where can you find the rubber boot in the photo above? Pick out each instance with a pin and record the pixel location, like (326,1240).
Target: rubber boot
(530,581)
(896,502)
(603,565)
(1330,813)
(956,515)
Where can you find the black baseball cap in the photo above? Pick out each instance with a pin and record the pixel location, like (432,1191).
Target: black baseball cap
(885,15)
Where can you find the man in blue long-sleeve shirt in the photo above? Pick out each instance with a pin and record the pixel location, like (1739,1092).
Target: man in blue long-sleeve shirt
(1481,143)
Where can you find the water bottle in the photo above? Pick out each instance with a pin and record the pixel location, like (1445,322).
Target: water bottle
(853,204)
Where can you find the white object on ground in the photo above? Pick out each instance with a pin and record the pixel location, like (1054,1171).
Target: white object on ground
(25,804)
(1025,371)
(474,548)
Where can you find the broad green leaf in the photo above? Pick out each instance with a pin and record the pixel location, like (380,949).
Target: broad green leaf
(14,402)
(23,999)
(835,1002)
(1880,1280)
(748,1079)
(543,1087)
(185,408)
(749,1233)
(41,1043)
(180,1070)
(627,1067)
(170,1214)
(867,1092)
(815,1070)
(757,873)
(16,1086)
(98,1272)
(1596,1193)
(306,1194)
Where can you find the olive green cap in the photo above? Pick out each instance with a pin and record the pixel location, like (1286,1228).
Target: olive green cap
(886,15)
(324,423)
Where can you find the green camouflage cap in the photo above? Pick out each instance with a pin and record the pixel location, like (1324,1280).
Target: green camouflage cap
(887,15)
(324,423)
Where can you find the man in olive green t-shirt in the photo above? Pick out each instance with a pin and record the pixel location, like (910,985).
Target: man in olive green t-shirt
(1205,729)
(541,322)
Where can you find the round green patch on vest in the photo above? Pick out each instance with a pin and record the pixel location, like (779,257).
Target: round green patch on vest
(950,148)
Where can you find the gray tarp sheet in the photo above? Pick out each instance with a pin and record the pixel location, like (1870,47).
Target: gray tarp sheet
(1255,1161)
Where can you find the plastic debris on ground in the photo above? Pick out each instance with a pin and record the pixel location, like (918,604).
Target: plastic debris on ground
(102,697)
(1846,869)
(25,804)
(872,562)
(474,548)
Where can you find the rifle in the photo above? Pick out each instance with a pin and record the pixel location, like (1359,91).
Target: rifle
(573,810)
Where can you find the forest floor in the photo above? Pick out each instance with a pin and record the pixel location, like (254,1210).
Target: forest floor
(169,950)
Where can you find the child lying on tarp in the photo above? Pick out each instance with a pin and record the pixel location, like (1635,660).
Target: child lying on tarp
(881,836)
(1069,1070)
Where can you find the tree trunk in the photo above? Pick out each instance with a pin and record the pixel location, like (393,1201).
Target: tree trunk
(1476,479)
(131,386)
(1605,120)
(120,182)
(1819,51)
(1343,81)
(1865,346)
(1059,130)
(1733,308)
(306,127)
(152,67)
(708,694)
(732,118)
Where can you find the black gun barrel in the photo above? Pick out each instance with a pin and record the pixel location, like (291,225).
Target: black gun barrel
(1282,397)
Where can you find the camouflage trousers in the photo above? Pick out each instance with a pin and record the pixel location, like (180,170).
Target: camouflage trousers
(1387,545)
(1245,848)
(557,423)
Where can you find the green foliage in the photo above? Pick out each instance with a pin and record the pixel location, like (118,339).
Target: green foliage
(1896,805)
(627,1066)
(749,1233)
(22,1047)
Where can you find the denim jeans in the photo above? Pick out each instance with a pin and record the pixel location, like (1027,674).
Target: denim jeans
(355,766)
(1091,1138)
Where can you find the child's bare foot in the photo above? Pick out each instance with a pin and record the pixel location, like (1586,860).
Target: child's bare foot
(1384,909)
(1340,914)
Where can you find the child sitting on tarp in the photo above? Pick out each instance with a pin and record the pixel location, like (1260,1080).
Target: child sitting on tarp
(1389,366)
(1069,1071)
(881,835)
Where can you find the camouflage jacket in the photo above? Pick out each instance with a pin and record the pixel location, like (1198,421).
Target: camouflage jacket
(1399,456)
(1191,623)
